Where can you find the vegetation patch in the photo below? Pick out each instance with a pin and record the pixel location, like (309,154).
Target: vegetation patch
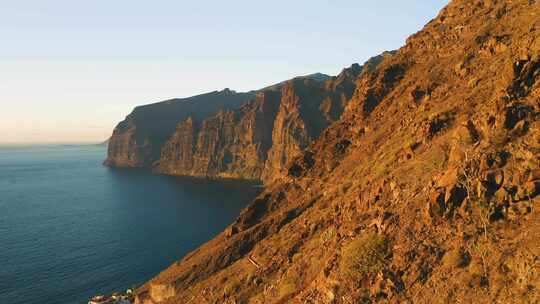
(328,235)
(365,256)
(290,282)
(231,287)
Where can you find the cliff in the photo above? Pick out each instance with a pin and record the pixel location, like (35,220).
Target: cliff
(306,110)
(258,139)
(232,143)
(234,135)
(425,190)
(137,141)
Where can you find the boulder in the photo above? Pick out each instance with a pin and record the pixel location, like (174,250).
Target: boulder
(436,206)
(448,178)
(534,175)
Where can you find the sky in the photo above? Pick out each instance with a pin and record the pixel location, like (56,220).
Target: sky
(71,70)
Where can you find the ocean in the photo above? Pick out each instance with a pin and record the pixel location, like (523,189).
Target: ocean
(71,228)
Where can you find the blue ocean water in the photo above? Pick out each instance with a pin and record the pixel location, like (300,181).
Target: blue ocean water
(71,228)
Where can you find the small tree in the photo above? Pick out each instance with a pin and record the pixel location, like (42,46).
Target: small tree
(469,178)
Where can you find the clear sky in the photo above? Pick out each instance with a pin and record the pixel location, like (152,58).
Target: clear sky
(70,70)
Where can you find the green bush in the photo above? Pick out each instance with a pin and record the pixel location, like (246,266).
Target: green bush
(365,256)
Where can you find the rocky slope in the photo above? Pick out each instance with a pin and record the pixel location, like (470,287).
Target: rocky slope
(426,190)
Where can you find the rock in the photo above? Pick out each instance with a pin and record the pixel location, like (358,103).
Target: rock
(482,191)
(454,197)
(436,124)
(501,195)
(456,258)
(460,69)
(519,209)
(305,110)
(478,281)
(232,230)
(436,206)
(495,178)
(161,292)
(520,194)
(406,154)
(448,179)
(515,114)
(532,189)
(534,175)
(277,226)
(232,143)
(257,281)
(465,134)
(456,155)
(527,191)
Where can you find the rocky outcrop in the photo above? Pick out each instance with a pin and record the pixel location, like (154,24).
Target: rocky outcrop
(425,190)
(137,141)
(307,108)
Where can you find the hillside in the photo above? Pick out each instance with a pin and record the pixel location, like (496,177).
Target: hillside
(425,190)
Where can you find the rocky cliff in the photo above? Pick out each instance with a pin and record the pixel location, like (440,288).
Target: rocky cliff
(425,190)
(137,141)
(232,143)
(257,140)
(306,110)
(234,135)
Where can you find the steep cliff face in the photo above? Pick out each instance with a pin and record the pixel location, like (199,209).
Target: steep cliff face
(425,190)
(257,140)
(230,144)
(236,143)
(307,108)
(137,141)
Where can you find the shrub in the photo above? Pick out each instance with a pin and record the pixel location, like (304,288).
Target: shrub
(231,288)
(286,289)
(289,283)
(364,256)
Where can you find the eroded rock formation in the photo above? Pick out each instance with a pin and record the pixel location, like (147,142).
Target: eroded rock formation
(232,143)
(137,141)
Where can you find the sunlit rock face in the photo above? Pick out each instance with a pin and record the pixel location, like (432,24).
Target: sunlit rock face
(234,135)
(137,140)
